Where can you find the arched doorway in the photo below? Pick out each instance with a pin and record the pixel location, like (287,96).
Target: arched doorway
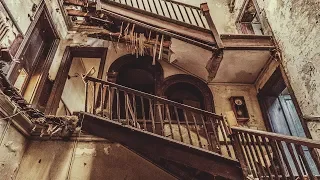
(188,90)
(137,73)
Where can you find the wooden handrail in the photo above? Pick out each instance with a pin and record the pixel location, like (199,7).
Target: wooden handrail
(275,136)
(150,96)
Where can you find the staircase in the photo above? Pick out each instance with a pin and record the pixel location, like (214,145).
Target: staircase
(192,143)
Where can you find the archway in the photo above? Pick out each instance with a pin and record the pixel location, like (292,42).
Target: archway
(188,90)
(137,73)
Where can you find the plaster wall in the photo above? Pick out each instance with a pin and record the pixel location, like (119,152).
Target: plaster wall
(61,160)
(222,93)
(12,148)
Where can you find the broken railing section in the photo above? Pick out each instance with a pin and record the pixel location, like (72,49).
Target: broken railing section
(169,9)
(267,155)
(45,125)
(156,115)
(106,24)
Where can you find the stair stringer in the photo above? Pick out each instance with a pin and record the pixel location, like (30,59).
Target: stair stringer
(143,142)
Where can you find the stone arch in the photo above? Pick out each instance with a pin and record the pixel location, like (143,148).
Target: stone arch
(201,86)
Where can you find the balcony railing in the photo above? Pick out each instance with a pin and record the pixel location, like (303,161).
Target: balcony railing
(263,155)
(155,114)
(168,9)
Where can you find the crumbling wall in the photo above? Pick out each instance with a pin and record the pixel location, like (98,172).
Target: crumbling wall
(61,160)
(12,148)
(296,28)
(222,93)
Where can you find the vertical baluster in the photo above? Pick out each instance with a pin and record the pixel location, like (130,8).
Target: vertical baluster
(109,102)
(137,1)
(252,140)
(194,17)
(181,13)
(285,159)
(248,155)
(206,132)
(305,161)
(161,119)
(178,121)
(161,7)
(270,157)
(165,2)
(126,107)
(143,114)
(155,6)
(144,6)
(94,98)
(174,10)
(169,119)
(101,99)
(118,105)
(152,116)
(185,9)
(149,5)
(105,99)
(250,144)
(86,94)
(188,127)
(278,158)
(126,2)
(197,131)
(263,157)
(225,139)
(295,161)
(215,135)
(200,16)
(246,162)
(134,106)
(315,158)
(131,3)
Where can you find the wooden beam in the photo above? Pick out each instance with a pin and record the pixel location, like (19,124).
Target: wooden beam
(205,10)
(214,64)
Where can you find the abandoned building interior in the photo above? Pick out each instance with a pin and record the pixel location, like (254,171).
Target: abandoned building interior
(159,89)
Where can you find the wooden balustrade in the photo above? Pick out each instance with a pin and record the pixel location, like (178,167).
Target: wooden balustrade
(263,155)
(173,10)
(157,115)
(268,155)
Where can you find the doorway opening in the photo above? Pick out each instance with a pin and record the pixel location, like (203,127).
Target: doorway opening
(282,117)
(73,94)
(139,74)
(68,94)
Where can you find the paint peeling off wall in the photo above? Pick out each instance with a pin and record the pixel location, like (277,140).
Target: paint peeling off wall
(222,93)
(12,147)
(296,26)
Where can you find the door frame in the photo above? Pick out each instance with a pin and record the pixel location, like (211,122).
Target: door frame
(65,65)
(278,75)
(13,71)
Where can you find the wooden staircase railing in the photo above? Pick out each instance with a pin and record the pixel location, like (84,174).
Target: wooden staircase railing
(263,155)
(268,155)
(157,115)
(169,9)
